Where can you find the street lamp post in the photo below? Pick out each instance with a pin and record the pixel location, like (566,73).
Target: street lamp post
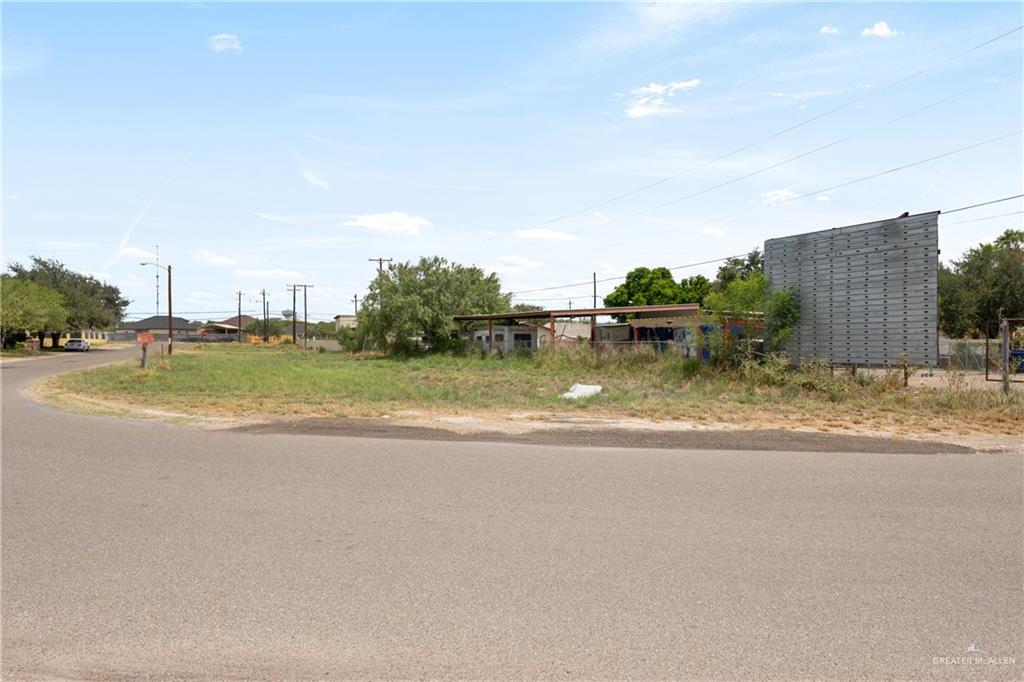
(170,315)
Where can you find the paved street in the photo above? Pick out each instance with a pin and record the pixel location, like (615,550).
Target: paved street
(141,550)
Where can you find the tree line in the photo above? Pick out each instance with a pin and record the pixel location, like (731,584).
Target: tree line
(46,298)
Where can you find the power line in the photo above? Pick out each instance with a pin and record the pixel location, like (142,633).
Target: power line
(900,168)
(716,260)
(988,217)
(791,128)
(772,167)
(616,279)
(984,203)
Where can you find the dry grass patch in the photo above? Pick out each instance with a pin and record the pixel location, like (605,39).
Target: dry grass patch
(285,381)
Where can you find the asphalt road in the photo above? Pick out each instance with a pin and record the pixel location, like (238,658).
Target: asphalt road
(139,550)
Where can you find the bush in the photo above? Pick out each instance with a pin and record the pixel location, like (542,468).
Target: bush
(774,370)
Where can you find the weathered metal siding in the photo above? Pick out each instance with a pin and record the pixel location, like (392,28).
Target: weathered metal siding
(868,293)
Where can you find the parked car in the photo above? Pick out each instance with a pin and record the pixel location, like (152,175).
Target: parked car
(76,344)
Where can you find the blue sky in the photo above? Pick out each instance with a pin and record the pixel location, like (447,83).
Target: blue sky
(261,145)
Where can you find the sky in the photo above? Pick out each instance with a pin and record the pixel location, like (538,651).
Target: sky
(262,145)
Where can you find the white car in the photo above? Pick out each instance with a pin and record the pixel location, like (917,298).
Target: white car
(76,344)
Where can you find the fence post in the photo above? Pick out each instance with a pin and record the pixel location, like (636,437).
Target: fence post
(1004,338)
(145,356)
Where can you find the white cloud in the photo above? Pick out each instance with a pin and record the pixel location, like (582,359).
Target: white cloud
(829,30)
(653,99)
(545,235)
(14,198)
(208,257)
(823,197)
(135,252)
(778,196)
(713,231)
(314,180)
(315,137)
(394,222)
(273,273)
(489,233)
(599,215)
(880,30)
(274,217)
(224,42)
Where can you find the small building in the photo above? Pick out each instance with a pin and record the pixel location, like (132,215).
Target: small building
(679,327)
(344,321)
(236,321)
(511,337)
(531,330)
(218,331)
(157,326)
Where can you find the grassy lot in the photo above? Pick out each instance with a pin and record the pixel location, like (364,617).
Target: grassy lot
(227,380)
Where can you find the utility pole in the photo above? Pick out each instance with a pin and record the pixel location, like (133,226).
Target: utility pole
(293,288)
(158,279)
(170,315)
(239,320)
(263,293)
(305,314)
(355,302)
(380,264)
(1004,337)
(593,318)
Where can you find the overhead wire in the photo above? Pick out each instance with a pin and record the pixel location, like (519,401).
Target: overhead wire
(784,131)
(724,258)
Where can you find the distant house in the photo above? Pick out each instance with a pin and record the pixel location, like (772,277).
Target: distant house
(530,336)
(344,321)
(663,326)
(157,326)
(236,321)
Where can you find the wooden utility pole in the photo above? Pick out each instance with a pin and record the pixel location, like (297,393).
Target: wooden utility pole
(305,314)
(380,264)
(263,293)
(293,288)
(355,302)
(593,318)
(1004,339)
(170,316)
(239,320)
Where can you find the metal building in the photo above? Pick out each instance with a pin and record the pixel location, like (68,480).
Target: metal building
(868,293)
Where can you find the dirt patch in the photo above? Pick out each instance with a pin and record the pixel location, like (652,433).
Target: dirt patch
(577,435)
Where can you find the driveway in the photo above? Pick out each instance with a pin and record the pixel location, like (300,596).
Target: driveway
(139,550)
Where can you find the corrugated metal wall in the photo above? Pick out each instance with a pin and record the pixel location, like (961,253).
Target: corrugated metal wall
(868,293)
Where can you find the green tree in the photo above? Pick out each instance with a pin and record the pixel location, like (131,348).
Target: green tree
(411,301)
(90,304)
(988,279)
(29,307)
(742,295)
(526,308)
(695,289)
(781,314)
(645,286)
(738,268)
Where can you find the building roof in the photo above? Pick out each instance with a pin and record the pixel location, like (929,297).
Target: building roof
(233,320)
(673,309)
(159,322)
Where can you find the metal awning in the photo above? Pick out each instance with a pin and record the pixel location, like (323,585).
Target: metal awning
(662,310)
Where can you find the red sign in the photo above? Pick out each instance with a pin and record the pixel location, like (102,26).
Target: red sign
(144,337)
